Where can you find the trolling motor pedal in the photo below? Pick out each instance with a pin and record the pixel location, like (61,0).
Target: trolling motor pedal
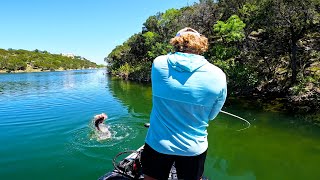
(126,165)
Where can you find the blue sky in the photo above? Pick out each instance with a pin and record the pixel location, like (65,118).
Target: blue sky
(88,28)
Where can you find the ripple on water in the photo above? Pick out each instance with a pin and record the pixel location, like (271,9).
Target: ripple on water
(85,139)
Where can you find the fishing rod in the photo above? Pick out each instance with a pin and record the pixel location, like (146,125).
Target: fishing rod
(224,112)
(249,124)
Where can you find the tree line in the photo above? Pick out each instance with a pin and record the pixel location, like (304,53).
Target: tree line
(20,60)
(269,48)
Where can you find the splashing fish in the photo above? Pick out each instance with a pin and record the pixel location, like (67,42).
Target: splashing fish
(101,129)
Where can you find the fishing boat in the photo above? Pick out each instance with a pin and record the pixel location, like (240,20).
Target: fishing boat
(130,168)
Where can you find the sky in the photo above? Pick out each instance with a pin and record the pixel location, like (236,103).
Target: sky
(87,28)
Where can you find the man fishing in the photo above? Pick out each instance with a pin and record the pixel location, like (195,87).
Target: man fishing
(187,92)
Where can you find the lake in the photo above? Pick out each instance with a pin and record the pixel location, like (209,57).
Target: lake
(46,131)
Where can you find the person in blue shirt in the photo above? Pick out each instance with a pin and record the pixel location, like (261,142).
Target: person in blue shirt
(187,92)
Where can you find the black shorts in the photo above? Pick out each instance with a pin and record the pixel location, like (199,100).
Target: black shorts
(158,165)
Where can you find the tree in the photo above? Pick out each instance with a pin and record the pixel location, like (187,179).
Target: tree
(13,60)
(289,21)
(269,47)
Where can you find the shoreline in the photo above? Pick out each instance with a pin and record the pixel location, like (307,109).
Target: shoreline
(39,70)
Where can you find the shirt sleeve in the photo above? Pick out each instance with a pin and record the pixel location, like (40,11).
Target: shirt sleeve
(218,104)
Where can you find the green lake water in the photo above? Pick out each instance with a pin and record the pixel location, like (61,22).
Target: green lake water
(46,133)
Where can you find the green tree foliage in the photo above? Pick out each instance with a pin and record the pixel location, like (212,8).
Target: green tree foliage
(227,36)
(15,60)
(289,22)
(268,48)
(225,49)
(230,31)
(282,46)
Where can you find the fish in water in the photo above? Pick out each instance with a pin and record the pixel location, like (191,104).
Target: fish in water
(101,128)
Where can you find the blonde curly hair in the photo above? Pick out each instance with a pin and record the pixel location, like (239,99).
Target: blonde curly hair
(189,40)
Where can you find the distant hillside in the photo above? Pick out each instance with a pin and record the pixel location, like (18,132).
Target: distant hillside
(12,60)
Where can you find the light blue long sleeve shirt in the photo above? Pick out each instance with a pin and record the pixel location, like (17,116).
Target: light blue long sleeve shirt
(187,92)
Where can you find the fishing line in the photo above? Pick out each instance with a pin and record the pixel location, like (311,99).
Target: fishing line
(249,124)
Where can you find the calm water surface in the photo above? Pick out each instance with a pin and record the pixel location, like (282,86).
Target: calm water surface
(46,133)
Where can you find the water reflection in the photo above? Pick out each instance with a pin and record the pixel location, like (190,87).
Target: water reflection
(37,83)
(137,97)
(219,170)
(69,81)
